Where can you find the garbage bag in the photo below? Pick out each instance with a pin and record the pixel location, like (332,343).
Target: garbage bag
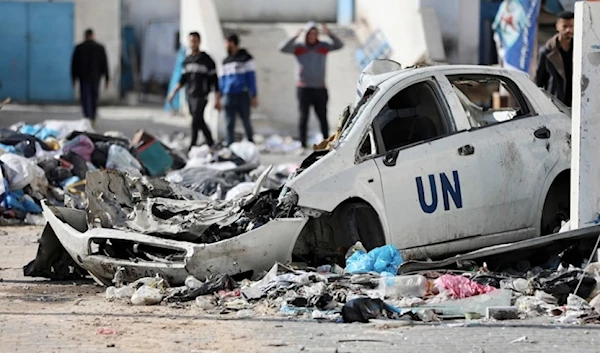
(359,262)
(364,309)
(560,285)
(247,151)
(20,201)
(20,171)
(119,158)
(52,260)
(461,287)
(11,138)
(211,286)
(385,259)
(66,127)
(147,295)
(80,167)
(81,145)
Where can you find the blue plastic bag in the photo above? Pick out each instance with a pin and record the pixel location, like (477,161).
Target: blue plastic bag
(384,260)
(359,262)
(18,200)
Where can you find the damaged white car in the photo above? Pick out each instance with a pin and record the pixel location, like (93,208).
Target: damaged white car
(423,161)
(426,162)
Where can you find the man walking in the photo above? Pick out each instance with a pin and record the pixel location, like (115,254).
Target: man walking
(88,65)
(310,74)
(238,87)
(555,64)
(199,75)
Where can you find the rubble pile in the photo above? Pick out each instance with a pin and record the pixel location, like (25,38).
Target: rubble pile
(50,161)
(566,294)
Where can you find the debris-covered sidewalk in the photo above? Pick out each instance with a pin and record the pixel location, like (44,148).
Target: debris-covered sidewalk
(41,316)
(366,290)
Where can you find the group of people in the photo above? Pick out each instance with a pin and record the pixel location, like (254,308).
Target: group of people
(235,86)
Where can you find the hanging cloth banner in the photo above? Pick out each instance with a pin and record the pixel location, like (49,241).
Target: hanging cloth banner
(515,32)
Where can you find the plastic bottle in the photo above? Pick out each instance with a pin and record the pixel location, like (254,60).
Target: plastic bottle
(404,286)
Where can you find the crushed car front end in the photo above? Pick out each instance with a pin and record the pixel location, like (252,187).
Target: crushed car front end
(102,251)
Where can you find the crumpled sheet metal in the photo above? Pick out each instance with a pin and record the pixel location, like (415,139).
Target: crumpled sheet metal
(188,217)
(254,251)
(125,202)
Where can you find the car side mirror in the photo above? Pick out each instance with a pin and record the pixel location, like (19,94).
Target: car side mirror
(390,158)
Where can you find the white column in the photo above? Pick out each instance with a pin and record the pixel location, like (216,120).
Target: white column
(585,163)
(201,16)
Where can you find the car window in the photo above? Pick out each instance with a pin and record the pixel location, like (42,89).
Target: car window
(489,100)
(366,146)
(413,115)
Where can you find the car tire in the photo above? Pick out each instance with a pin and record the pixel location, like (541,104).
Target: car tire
(360,222)
(556,209)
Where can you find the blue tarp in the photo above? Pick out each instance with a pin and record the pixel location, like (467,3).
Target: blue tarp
(515,28)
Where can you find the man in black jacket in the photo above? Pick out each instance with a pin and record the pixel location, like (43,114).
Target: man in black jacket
(555,64)
(199,75)
(88,65)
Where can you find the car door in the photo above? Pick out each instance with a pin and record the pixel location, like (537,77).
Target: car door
(431,183)
(512,152)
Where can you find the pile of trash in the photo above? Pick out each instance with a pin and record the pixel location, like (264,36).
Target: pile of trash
(368,288)
(50,161)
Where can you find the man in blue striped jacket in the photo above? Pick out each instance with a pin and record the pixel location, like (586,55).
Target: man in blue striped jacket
(238,87)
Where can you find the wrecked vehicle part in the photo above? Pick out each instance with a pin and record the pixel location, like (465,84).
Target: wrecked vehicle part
(553,243)
(211,286)
(52,261)
(125,202)
(206,181)
(112,195)
(250,252)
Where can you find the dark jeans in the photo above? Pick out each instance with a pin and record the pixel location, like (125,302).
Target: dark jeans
(316,97)
(234,104)
(89,98)
(197,105)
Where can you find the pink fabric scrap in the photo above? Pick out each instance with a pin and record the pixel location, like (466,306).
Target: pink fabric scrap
(461,287)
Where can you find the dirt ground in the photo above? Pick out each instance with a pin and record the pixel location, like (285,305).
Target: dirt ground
(41,316)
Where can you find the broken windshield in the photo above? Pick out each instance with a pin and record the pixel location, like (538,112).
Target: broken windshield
(351,120)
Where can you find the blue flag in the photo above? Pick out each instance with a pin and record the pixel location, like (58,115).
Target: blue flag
(515,32)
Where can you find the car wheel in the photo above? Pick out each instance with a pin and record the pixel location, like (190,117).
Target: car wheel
(360,222)
(557,204)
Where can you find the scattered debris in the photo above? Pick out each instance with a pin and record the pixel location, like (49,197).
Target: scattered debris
(106,331)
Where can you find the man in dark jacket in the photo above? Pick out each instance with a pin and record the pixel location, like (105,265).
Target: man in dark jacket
(311,57)
(555,64)
(199,75)
(88,65)
(238,87)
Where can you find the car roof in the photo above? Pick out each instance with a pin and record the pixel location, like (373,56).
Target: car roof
(444,69)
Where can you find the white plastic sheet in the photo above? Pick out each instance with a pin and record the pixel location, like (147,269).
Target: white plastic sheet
(24,172)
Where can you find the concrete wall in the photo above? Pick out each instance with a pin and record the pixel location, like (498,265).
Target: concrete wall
(441,30)
(277,10)
(201,16)
(105,18)
(459,22)
(138,13)
(413,32)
